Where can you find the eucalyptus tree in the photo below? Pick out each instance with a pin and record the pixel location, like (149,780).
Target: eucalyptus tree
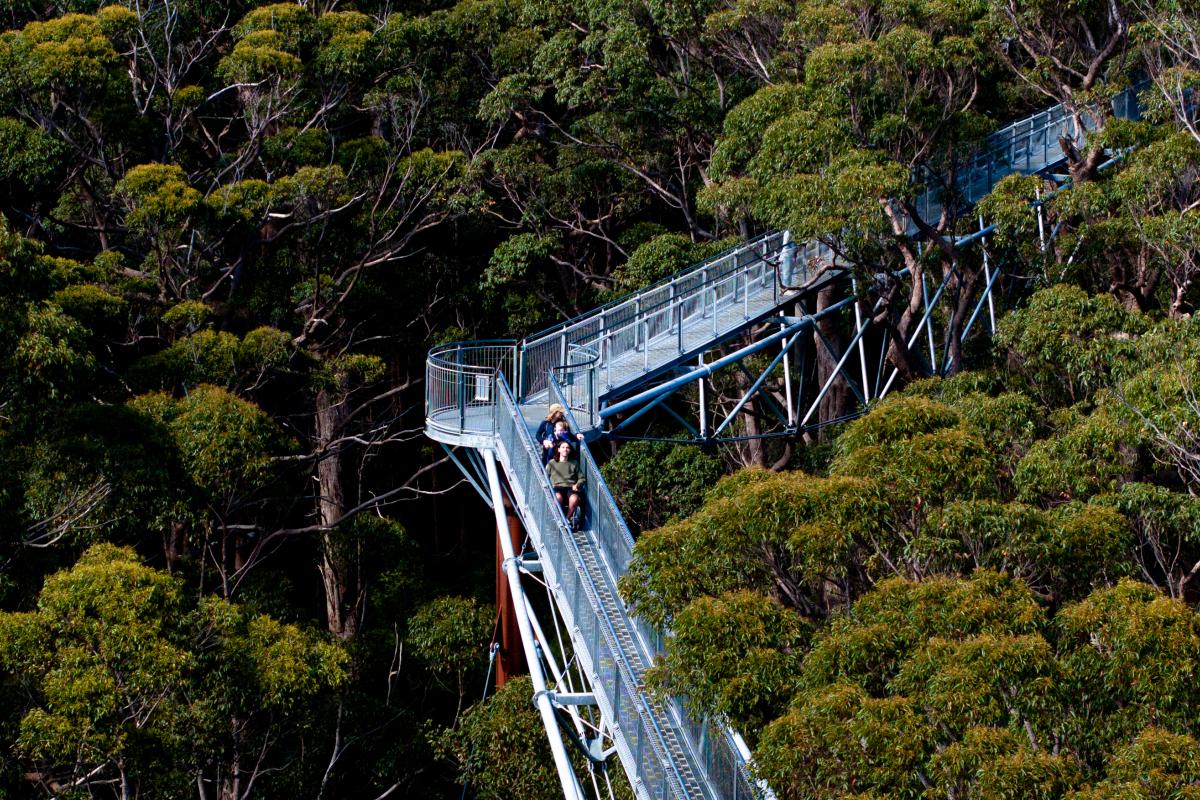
(1130,232)
(967,689)
(247,190)
(1167,37)
(129,687)
(880,107)
(1077,56)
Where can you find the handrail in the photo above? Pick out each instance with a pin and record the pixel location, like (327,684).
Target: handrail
(647,315)
(459,383)
(551,333)
(555,329)
(616,563)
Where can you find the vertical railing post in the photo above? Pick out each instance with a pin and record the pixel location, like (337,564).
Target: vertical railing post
(637,320)
(1041,220)
(670,300)
(679,328)
(745,295)
(714,308)
(514,373)
(462,391)
(645,323)
(604,348)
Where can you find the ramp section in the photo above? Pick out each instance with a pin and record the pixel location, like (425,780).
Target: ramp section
(650,742)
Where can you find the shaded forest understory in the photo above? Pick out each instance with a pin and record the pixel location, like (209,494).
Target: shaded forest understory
(231,566)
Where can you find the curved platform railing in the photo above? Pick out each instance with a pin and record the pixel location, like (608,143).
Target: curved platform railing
(461,390)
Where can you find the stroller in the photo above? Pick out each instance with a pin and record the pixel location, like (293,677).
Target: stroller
(576,518)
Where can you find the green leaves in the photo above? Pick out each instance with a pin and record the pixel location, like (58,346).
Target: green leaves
(1067,345)
(69,55)
(735,657)
(654,482)
(127,680)
(160,200)
(51,355)
(227,445)
(103,671)
(501,749)
(29,158)
(979,696)
(450,634)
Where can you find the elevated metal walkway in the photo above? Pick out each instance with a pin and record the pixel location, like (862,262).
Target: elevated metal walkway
(487,396)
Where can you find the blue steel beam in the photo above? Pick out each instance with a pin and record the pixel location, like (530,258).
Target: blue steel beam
(757,383)
(770,401)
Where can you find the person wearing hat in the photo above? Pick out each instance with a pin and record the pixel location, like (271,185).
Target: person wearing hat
(546,433)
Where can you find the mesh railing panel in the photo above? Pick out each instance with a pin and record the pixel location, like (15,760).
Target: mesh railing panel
(715,752)
(631,324)
(460,384)
(615,675)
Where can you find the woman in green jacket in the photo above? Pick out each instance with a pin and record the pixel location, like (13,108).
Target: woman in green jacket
(566,478)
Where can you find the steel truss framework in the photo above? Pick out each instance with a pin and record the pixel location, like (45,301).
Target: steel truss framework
(613,367)
(867,378)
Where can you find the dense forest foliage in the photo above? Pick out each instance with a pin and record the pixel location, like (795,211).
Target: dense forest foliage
(232,567)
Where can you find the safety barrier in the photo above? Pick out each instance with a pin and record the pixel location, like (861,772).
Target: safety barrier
(1025,146)
(638,734)
(713,746)
(460,384)
(629,324)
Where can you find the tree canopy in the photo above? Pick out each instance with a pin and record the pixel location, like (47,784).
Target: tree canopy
(229,232)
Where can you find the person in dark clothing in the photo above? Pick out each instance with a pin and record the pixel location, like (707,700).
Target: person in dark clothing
(546,433)
(562,433)
(566,478)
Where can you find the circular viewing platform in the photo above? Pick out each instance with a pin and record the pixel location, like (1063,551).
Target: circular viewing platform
(461,382)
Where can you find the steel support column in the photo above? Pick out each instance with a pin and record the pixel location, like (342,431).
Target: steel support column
(541,696)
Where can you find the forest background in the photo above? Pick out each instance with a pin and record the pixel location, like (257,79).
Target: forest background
(233,567)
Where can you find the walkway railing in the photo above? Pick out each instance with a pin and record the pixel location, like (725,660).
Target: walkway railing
(460,384)
(629,324)
(713,747)
(614,670)
(1028,145)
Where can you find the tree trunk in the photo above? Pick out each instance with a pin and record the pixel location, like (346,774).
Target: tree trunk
(754,452)
(510,659)
(967,281)
(339,566)
(175,545)
(1081,164)
(838,401)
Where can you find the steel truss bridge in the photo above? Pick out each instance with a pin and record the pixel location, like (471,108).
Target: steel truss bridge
(614,365)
